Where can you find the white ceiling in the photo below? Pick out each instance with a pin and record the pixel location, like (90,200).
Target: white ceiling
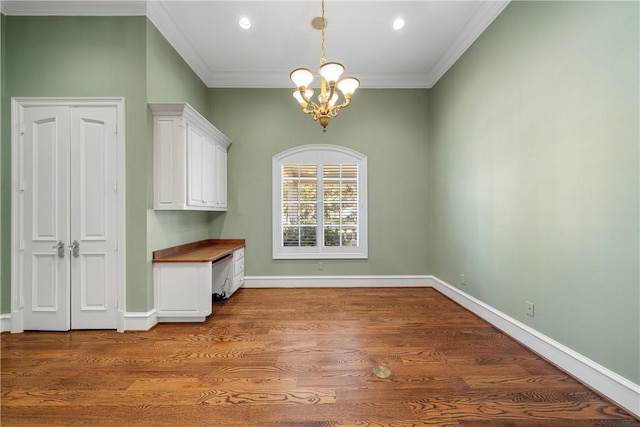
(359,35)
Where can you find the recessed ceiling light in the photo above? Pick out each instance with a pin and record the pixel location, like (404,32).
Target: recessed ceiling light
(398,24)
(244,23)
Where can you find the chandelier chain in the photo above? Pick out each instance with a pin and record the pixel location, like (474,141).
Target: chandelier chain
(323,59)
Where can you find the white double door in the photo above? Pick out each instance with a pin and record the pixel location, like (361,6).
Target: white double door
(68,205)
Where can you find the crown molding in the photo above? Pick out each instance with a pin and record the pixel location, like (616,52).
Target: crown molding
(393,80)
(158,14)
(75,8)
(184,110)
(486,13)
(276,79)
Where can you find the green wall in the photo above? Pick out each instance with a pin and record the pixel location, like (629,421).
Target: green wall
(169,79)
(388,126)
(534,169)
(82,57)
(5,277)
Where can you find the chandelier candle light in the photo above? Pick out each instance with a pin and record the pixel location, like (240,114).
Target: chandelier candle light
(330,73)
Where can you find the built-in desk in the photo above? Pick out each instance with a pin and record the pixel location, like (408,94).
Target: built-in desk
(186,275)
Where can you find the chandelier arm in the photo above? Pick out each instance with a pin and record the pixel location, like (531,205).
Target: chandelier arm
(346,103)
(332,90)
(310,108)
(305,110)
(303,93)
(314,106)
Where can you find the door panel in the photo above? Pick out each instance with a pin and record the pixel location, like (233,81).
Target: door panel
(44,286)
(92,177)
(44,172)
(44,177)
(94,218)
(94,290)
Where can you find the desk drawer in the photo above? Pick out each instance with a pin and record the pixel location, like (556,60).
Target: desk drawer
(239,267)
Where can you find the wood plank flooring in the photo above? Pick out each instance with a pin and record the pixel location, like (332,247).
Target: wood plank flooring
(297,357)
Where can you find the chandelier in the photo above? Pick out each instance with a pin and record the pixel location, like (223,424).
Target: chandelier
(330,73)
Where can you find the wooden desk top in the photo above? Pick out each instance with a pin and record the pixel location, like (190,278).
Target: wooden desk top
(200,251)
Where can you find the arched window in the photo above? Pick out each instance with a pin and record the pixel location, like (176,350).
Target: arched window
(319,203)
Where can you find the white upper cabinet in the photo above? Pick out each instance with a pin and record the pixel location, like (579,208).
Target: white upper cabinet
(189,160)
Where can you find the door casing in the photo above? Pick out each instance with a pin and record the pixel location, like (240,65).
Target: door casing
(17,293)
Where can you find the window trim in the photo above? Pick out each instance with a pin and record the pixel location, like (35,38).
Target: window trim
(319,154)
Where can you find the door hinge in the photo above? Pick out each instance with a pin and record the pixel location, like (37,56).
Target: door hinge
(22,186)
(115,186)
(115,246)
(22,128)
(21,246)
(116,301)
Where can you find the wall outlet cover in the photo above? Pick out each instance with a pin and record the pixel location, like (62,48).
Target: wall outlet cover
(530,309)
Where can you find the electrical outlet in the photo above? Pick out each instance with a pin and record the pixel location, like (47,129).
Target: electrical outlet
(320,265)
(462,280)
(530,309)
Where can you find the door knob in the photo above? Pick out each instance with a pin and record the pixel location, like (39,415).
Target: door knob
(74,248)
(60,248)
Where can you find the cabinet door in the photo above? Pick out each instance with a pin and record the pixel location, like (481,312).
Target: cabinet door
(195,189)
(221,177)
(238,269)
(182,291)
(208,172)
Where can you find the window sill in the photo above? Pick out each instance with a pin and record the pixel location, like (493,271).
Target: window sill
(319,256)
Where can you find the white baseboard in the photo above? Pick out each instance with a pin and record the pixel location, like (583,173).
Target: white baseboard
(142,321)
(182,319)
(335,281)
(132,321)
(5,322)
(606,382)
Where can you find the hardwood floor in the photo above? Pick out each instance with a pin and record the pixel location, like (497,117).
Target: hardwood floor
(297,357)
